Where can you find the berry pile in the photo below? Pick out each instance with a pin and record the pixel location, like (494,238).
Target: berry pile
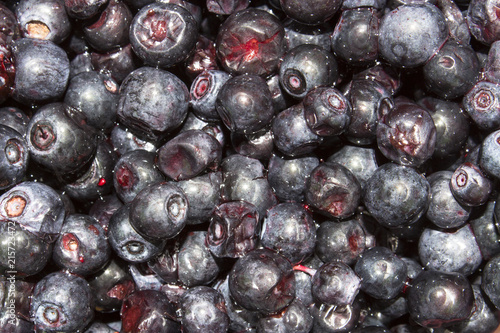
(226,166)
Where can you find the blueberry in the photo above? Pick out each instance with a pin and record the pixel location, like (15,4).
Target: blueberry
(470,186)
(336,284)
(295,318)
(259,145)
(485,231)
(84,9)
(310,12)
(117,63)
(15,157)
(203,58)
(482,105)
(333,318)
(489,154)
(482,22)
(14,118)
(204,91)
(297,33)
(361,161)
(203,310)
(103,208)
(124,141)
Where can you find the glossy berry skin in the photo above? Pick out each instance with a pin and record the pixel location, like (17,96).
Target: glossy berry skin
(203,194)
(262,281)
(14,118)
(234,229)
(84,9)
(361,161)
(110,30)
(298,33)
(214,128)
(124,141)
(332,190)
(411,34)
(244,179)
(341,241)
(134,171)
(203,58)
(37,207)
(489,154)
(244,103)
(435,248)
(250,41)
(96,96)
(14,158)
(437,299)
(203,310)
(407,134)
(60,140)
(486,231)
(382,273)
(445,211)
(126,242)
(148,311)
(306,67)
(311,11)
(189,154)
(204,91)
(482,20)
(38,62)
(62,302)
(163,34)
(259,145)
(291,133)
(482,104)
(470,186)
(295,318)
(335,283)
(117,63)
(289,230)
(82,247)
(452,71)
(31,252)
(159,211)
(327,111)
(355,37)
(110,286)
(152,103)
(288,176)
(386,195)
(452,125)
(332,318)
(43,20)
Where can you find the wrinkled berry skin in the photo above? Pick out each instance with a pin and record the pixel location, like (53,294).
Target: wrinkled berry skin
(189,154)
(159,211)
(435,248)
(482,20)
(341,241)
(244,179)
(60,140)
(333,190)
(311,11)
(452,71)
(250,41)
(126,242)
(333,318)
(382,273)
(306,67)
(327,111)
(470,186)
(82,247)
(31,252)
(483,105)
(124,141)
(133,172)
(196,264)
(411,34)
(9,31)
(355,37)
(204,91)
(148,311)
(163,34)
(335,283)
(287,176)
(42,70)
(295,318)
(489,154)
(96,96)
(289,230)
(407,134)
(444,210)
(43,20)
(245,104)
(262,281)
(437,299)
(291,133)
(111,29)
(62,302)
(14,157)
(36,207)
(234,229)
(153,102)
(396,195)
(203,310)
(452,125)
